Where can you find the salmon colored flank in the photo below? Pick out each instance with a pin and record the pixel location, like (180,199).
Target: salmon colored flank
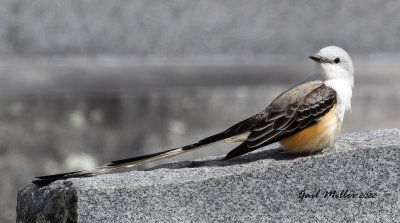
(315,137)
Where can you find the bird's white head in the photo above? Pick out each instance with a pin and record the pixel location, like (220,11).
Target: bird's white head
(335,64)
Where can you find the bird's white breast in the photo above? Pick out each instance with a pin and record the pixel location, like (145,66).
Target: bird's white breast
(343,90)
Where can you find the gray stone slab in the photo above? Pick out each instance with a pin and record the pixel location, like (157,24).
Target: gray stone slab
(263,186)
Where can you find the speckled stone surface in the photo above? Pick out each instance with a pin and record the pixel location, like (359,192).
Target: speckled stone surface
(355,180)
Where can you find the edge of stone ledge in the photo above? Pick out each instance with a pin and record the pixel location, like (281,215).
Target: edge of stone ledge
(61,193)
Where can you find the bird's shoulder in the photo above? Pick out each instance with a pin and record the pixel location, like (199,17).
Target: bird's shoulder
(304,93)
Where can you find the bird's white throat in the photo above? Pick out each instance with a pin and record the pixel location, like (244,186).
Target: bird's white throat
(333,72)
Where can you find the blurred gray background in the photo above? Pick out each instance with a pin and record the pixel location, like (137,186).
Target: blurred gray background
(85,82)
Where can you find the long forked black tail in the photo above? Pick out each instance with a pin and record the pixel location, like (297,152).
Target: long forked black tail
(130,162)
(228,135)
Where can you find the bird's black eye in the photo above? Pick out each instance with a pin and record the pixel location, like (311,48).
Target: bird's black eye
(337,60)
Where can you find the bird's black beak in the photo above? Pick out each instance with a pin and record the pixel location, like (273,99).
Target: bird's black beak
(317,58)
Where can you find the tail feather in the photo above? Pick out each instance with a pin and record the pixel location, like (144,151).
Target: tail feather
(238,151)
(56,175)
(46,180)
(117,164)
(138,158)
(230,135)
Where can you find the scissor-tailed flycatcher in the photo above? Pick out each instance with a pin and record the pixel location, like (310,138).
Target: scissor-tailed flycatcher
(304,119)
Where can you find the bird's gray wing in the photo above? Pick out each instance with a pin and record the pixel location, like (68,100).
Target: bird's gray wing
(292,111)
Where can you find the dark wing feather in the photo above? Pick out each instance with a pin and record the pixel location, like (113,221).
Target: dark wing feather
(314,106)
(291,112)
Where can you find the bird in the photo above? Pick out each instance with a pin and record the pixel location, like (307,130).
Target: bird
(305,119)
